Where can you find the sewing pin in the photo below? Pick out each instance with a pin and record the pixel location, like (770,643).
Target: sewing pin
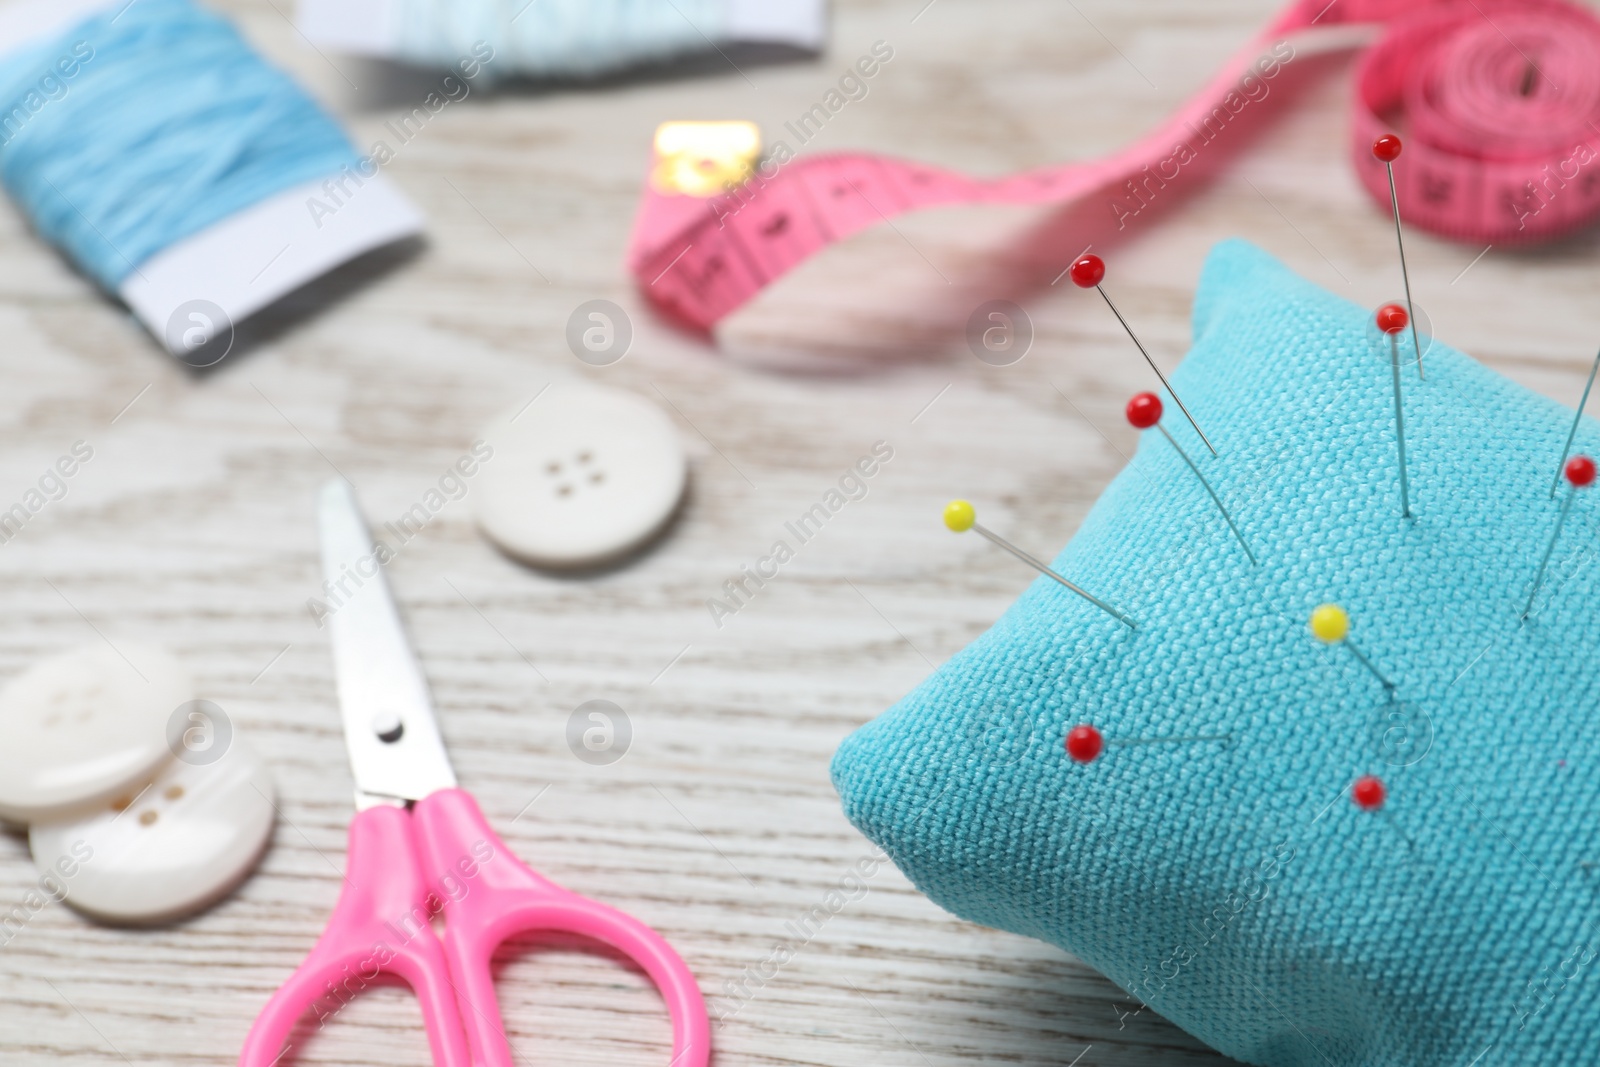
(1087,271)
(1144,411)
(1579,472)
(1572,433)
(1392,320)
(1387,150)
(1369,792)
(1085,743)
(960,516)
(1331,625)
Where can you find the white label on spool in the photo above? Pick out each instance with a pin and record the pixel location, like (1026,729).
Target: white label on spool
(250,259)
(26,21)
(211,281)
(360,27)
(802,23)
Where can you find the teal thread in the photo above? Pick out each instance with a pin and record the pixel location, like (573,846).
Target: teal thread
(1237,889)
(169,123)
(557,38)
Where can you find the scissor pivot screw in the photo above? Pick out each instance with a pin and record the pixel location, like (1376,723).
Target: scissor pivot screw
(388,726)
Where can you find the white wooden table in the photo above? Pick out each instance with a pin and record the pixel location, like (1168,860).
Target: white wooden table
(192,525)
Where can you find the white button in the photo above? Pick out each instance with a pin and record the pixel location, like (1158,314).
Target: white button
(166,850)
(579,477)
(82,726)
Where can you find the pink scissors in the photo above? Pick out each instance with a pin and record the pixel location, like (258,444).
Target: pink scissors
(419,844)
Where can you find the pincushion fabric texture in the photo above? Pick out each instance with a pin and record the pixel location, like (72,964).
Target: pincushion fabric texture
(1230,883)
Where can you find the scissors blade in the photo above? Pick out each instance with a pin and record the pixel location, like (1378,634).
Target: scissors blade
(382,693)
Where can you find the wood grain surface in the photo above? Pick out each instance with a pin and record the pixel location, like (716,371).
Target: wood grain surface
(192,525)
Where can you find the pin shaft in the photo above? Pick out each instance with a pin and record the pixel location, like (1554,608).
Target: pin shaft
(1193,738)
(1165,384)
(1405,275)
(1214,498)
(1367,663)
(1400,425)
(1538,579)
(1043,569)
(1573,433)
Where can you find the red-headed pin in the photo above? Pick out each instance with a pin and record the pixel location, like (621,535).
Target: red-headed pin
(1368,792)
(1144,412)
(960,516)
(1579,472)
(1087,271)
(1085,743)
(1387,149)
(1392,319)
(1577,417)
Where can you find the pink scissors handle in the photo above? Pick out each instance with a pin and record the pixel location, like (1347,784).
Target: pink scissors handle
(374,930)
(489,895)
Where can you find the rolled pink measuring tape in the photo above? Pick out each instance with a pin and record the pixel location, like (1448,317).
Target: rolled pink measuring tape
(1498,102)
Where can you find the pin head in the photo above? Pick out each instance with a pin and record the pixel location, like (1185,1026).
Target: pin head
(1085,743)
(1144,410)
(1579,471)
(1087,270)
(1387,148)
(959,515)
(1329,623)
(1392,318)
(1368,792)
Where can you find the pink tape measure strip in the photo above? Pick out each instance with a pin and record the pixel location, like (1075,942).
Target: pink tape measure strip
(1500,102)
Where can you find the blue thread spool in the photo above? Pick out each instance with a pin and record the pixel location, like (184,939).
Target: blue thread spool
(144,141)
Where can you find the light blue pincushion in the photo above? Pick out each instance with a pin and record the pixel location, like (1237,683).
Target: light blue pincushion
(1233,885)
